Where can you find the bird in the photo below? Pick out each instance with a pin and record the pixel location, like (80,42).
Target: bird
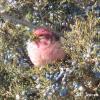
(45,48)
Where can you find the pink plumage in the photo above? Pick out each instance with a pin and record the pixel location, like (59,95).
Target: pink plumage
(46,49)
(42,31)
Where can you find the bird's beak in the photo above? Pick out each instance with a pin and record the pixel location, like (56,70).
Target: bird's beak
(34,37)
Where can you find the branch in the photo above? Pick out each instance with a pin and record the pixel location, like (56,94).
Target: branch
(14,20)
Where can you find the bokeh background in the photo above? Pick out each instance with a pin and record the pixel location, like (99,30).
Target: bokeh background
(78,24)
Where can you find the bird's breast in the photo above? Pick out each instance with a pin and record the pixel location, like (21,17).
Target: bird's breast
(45,52)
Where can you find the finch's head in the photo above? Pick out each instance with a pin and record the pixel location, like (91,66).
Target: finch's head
(45,32)
(42,31)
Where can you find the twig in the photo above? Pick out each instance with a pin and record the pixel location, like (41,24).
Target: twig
(14,20)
